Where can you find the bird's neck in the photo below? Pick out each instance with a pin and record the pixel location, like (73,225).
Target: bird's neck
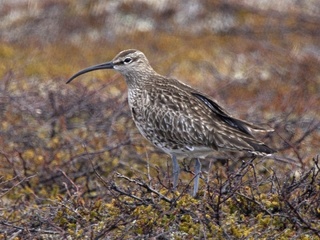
(140,79)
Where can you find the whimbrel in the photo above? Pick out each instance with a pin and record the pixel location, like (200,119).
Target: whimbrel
(178,119)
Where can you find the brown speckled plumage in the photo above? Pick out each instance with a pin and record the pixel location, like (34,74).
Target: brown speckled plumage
(177,118)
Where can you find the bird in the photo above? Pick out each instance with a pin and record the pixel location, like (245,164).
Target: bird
(178,119)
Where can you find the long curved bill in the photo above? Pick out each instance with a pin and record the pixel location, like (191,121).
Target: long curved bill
(107,65)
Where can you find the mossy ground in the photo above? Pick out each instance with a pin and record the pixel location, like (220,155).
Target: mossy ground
(73,165)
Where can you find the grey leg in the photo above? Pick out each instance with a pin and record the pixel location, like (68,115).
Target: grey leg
(176,171)
(197,172)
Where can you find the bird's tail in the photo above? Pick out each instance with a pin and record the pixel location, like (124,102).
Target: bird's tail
(254,128)
(260,148)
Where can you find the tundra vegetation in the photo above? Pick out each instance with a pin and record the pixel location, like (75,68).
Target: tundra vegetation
(72,163)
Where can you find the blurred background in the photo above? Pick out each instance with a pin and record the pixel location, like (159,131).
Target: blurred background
(258,59)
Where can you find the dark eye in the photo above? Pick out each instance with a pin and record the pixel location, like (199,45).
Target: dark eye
(127,60)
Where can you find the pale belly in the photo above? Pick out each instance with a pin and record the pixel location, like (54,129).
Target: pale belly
(171,147)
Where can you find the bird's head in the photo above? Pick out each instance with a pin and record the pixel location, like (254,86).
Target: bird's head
(128,62)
